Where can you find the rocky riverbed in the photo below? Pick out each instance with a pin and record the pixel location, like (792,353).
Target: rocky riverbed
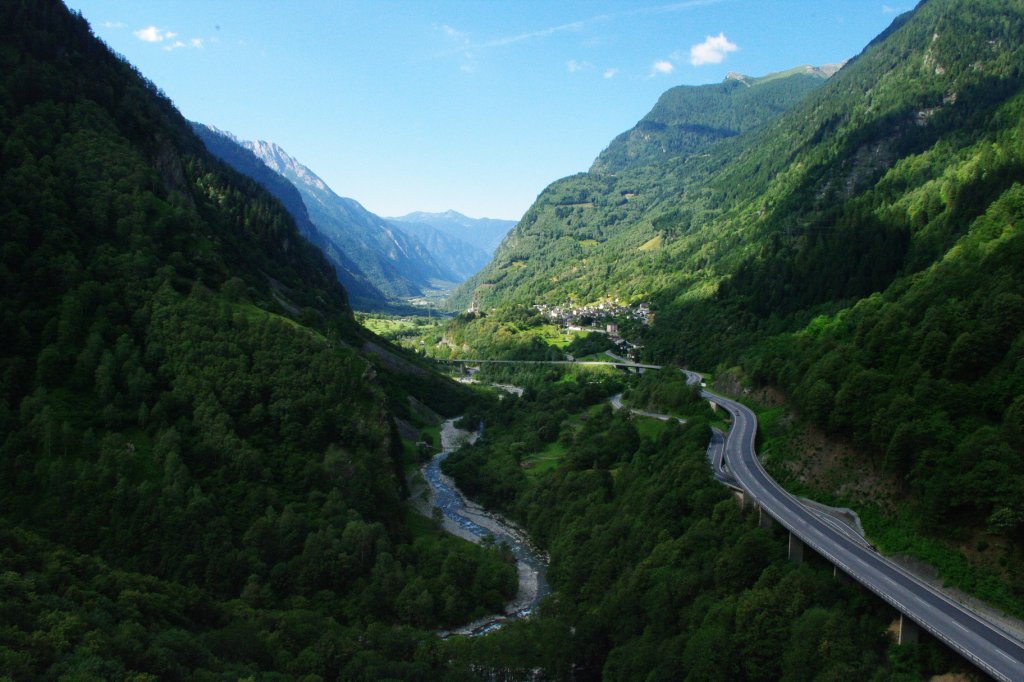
(466,519)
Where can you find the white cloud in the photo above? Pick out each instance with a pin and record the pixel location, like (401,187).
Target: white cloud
(150,34)
(712,50)
(113,24)
(610,73)
(575,66)
(662,66)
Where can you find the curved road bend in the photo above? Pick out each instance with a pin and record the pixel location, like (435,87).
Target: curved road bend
(984,644)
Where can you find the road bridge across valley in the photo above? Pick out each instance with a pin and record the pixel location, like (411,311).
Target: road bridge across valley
(735,463)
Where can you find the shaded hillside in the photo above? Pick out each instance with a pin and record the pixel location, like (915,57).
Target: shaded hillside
(229,149)
(200,475)
(460,258)
(394,262)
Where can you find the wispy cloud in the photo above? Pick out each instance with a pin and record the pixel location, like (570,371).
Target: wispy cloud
(542,33)
(889,9)
(460,41)
(153,34)
(610,73)
(114,24)
(712,50)
(455,34)
(573,26)
(575,66)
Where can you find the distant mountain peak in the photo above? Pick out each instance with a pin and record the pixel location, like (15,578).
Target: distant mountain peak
(218,131)
(824,71)
(283,163)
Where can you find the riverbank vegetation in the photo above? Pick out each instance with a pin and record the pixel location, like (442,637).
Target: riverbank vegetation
(861,252)
(658,574)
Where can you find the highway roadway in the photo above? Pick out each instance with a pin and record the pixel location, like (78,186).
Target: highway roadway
(984,644)
(735,464)
(626,364)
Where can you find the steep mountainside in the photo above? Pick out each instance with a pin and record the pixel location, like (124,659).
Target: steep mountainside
(397,264)
(200,474)
(583,228)
(688,119)
(485,233)
(862,251)
(229,149)
(458,257)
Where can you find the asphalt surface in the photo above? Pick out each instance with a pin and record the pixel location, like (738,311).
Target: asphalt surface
(735,463)
(984,644)
(625,364)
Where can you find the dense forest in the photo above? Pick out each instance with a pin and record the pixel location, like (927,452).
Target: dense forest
(204,459)
(658,573)
(860,252)
(688,120)
(201,474)
(361,292)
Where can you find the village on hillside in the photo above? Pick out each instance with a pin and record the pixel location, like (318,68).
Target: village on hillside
(601,318)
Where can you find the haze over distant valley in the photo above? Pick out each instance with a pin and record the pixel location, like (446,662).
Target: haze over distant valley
(380,261)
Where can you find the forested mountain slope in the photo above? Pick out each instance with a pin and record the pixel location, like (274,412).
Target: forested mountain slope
(396,263)
(689,119)
(570,242)
(200,474)
(862,251)
(229,149)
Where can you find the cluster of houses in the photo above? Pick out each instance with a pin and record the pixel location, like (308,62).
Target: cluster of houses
(588,316)
(602,318)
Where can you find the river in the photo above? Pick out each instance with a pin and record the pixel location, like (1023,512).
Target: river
(468,520)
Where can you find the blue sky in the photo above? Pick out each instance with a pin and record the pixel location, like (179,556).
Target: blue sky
(473,106)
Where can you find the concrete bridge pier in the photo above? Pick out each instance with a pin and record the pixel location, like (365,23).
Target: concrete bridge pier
(745,500)
(796,549)
(909,631)
(764,520)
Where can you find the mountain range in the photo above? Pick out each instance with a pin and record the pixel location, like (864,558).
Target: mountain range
(378,260)
(484,233)
(204,458)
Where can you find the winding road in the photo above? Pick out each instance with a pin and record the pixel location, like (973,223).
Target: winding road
(734,462)
(984,644)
